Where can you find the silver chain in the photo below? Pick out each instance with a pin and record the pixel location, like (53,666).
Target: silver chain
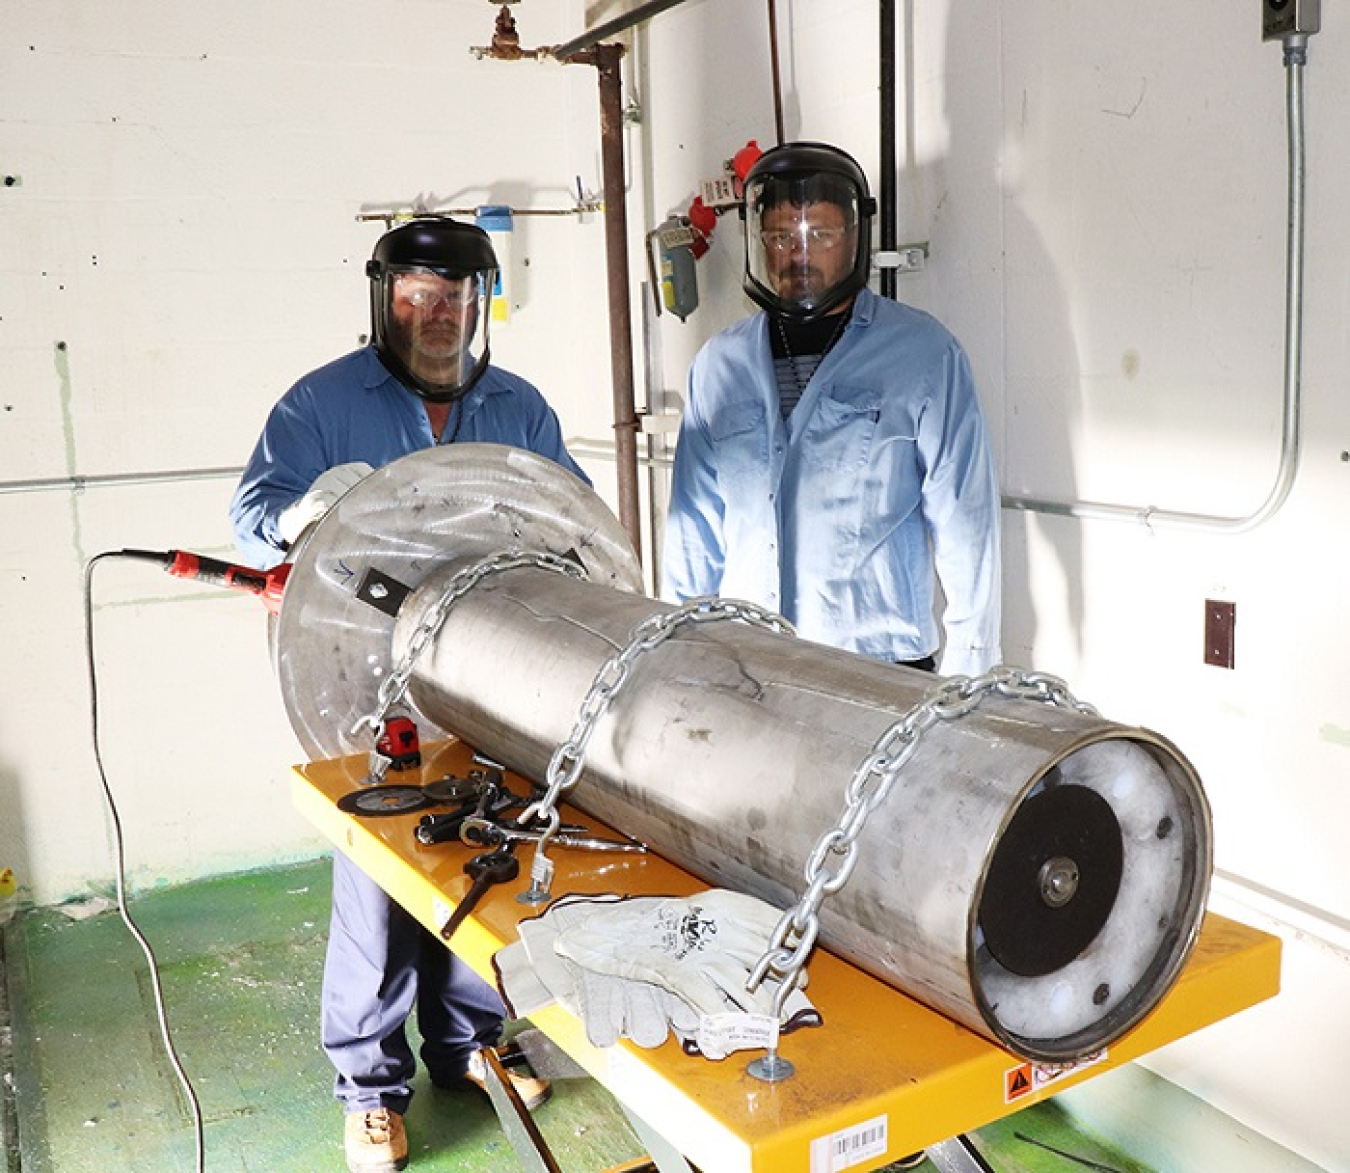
(395,685)
(565,767)
(867,789)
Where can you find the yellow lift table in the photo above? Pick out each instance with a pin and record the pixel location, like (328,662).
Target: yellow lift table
(884,1076)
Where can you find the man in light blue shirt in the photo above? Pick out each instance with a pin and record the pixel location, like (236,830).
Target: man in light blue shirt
(832,462)
(425,379)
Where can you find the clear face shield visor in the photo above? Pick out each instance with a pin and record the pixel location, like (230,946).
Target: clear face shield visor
(802,243)
(436,327)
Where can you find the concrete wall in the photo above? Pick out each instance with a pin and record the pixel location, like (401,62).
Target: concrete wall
(183,238)
(1102,188)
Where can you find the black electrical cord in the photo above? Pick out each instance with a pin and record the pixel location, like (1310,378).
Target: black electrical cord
(119,848)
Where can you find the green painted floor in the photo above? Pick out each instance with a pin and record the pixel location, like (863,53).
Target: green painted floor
(89,1089)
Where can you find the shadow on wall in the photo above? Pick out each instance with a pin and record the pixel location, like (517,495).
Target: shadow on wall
(1042,375)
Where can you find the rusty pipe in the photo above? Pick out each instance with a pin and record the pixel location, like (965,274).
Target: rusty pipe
(607,59)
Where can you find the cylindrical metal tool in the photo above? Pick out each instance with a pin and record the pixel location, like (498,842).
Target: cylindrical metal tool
(1037,873)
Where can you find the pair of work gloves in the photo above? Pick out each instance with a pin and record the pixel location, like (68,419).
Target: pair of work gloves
(647,966)
(321,496)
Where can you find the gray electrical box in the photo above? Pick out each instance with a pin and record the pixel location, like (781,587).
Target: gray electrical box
(1286,18)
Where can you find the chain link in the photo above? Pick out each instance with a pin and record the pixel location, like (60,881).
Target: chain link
(795,934)
(568,760)
(395,685)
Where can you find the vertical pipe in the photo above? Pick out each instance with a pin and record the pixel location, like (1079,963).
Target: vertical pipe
(777,78)
(606,59)
(887,209)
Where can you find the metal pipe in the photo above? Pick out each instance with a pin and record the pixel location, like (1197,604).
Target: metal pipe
(733,750)
(604,450)
(606,59)
(1290,442)
(619,24)
(585,50)
(581,209)
(887,210)
(117,480)
(777,80)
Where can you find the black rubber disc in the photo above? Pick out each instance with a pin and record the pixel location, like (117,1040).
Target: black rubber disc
(1053,880)
(376,801)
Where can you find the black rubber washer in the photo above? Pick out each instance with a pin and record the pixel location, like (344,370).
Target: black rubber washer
(1024,930)
(378,801)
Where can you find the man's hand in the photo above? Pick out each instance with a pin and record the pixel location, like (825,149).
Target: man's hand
(322,495)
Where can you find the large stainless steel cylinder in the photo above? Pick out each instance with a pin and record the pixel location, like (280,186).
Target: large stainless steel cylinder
(1036,873)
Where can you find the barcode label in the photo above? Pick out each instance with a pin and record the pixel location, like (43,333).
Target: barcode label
(849,1147)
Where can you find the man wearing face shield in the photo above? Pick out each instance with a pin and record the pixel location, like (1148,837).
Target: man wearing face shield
(424,379)
(832,462)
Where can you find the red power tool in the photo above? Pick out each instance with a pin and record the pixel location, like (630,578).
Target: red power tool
(267,585)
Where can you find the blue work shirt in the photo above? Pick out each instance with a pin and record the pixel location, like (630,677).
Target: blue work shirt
(843,517)
(354,409)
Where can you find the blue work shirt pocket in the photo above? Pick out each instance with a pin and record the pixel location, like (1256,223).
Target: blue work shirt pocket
(841,430)
(741,441)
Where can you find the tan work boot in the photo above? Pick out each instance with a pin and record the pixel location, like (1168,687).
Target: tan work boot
(374,1141)
(531,1090)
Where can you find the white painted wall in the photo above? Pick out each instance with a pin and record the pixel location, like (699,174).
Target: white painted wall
(1103,190)
(181,242)
(1103,187)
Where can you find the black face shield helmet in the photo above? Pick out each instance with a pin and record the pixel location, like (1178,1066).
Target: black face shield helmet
(443,271)
(802,257)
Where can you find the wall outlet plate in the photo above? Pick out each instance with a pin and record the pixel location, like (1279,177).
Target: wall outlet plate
(1284,18)
(1220,633)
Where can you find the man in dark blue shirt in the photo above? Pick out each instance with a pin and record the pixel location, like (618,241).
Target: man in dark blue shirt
(425,379)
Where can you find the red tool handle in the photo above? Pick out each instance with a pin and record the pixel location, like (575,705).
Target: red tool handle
(266,584)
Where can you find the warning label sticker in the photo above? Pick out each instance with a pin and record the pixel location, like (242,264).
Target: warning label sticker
(1029,1078)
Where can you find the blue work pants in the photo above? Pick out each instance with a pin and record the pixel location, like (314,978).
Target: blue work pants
(380,965)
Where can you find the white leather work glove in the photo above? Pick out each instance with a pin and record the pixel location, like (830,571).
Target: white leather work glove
(322,495)
(534,972)
(716,1036)
(531,975)
(701,948)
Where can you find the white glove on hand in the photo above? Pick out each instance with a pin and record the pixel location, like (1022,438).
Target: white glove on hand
(701,948)
(323,493)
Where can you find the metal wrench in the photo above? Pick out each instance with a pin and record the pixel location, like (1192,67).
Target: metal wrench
(482,832)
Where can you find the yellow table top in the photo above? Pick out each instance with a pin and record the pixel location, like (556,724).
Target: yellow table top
(883,1077)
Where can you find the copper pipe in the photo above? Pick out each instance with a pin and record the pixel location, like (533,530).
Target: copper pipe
(606,59)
